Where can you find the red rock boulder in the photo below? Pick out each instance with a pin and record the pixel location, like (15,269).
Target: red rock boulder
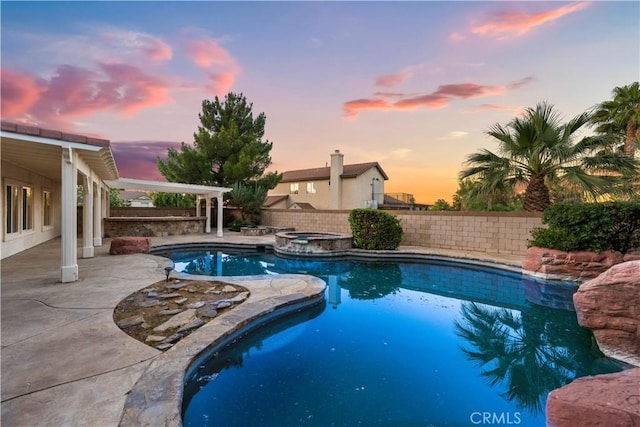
(554,264)
(130,245)
(610,306)
(602,400)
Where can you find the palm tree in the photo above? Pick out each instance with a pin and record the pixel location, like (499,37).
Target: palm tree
(621,116)
(537,147)
(485,195)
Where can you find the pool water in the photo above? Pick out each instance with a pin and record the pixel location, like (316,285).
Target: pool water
(397,344)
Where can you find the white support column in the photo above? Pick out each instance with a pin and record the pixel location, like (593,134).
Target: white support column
(69,268)
(87,217)
(220,215)
(198,200)
(107,202)
(97,216)
(207,227)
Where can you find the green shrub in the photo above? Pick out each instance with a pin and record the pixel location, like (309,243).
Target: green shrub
(553,238)
(238,223)
(375,230)
(590,227)
(173,200)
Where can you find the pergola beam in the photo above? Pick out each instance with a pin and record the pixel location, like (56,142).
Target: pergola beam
(203,191)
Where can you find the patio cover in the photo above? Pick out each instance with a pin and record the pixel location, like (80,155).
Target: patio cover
(203,191)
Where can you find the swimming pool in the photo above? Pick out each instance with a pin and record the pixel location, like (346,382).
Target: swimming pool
(398,344)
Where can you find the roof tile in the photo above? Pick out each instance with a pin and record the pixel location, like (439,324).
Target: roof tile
(48,133)
(8,126)
(348,171)
(28,130)
(272,200)
(52,134)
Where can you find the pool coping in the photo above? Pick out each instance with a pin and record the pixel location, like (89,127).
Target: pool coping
(156,397)
(406,254)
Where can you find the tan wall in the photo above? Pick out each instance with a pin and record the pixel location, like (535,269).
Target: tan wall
(319,200)
(491,232)
(17,242)
(307,220)
(355,191)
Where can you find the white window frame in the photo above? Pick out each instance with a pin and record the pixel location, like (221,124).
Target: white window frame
(294,188)
(12,216)
(27,213)
(311,187)
(47,209)
(24,218)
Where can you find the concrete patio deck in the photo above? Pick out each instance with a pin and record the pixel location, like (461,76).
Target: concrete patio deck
(63,359)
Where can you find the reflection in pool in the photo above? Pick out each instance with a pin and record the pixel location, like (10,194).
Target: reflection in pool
(400,344)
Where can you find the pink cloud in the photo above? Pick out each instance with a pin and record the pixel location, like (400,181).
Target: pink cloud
(390,94)
(158,51)
(128,89)
(221,83)
(456,37)
(430,100)
(110,70)
(437,99)
(468,90)
(121,43)
(352,108)
(207,52)
(137,159)
(19,92)
(76,92)
(504,24)
(522,82)
(70,92)
(441,97)
(390,80)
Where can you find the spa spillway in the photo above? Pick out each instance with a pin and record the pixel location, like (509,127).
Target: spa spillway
(312,244)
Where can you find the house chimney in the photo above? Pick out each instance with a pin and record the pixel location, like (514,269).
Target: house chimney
(335,183)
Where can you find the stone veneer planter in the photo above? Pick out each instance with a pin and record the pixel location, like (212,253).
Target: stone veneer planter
(552,264)
(263,230)
(153,226)
(313,244)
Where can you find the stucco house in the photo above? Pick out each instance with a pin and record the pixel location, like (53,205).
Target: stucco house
(40,173)
(337,186)
(136,199)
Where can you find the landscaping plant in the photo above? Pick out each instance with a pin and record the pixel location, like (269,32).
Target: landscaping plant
(375,230)
(593,227)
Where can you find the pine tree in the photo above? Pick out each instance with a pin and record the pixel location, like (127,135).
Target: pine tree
(228,148)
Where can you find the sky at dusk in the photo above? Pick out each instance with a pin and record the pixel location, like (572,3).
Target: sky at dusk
(411,85)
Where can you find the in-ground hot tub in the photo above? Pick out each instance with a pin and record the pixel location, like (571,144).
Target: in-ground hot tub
(311,243)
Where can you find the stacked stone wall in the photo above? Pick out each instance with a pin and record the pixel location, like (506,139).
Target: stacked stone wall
(153,227)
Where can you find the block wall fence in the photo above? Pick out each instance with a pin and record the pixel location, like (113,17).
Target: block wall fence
(491,232)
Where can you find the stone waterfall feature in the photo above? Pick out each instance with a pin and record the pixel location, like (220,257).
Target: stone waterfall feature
(610,306)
